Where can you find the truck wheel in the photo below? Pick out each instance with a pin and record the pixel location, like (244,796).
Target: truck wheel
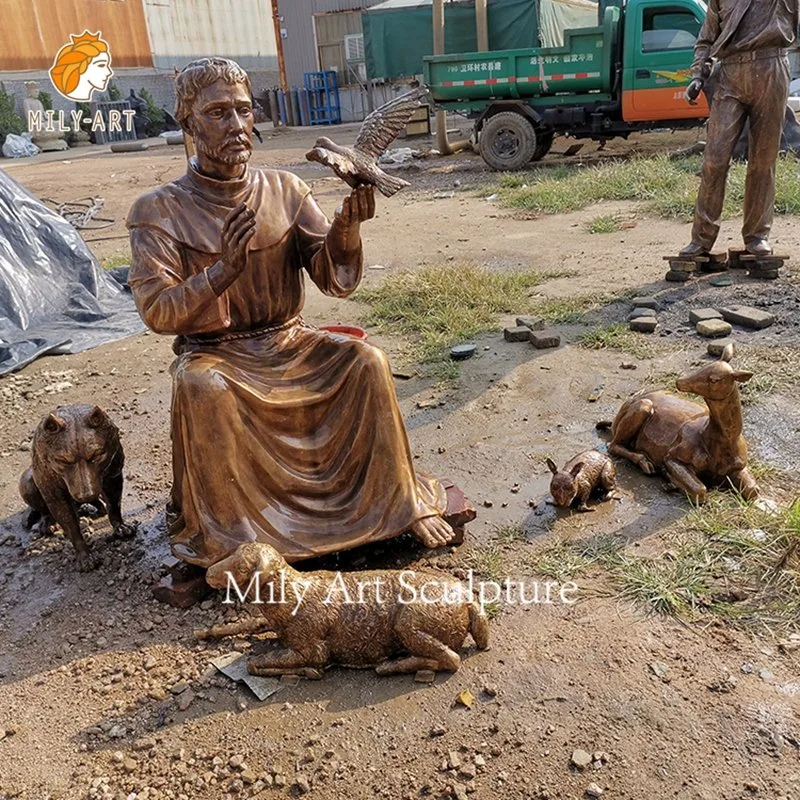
(544,141)
(508,141)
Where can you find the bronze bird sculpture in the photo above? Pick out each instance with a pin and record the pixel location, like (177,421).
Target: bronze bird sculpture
(358,165)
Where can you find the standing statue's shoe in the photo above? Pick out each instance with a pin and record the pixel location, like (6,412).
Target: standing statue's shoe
(693,250)
(759,247)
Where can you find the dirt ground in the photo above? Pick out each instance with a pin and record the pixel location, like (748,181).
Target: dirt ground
(94,701)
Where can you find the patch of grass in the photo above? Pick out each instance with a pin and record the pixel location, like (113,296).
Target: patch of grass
(663,379)
(666,188)
(570,309)
(565,558)
(733,560)
(775,369)
(616,337)
(671,586)
(510,532)
(605,223)
(443,305)
(487,564)
(117,260)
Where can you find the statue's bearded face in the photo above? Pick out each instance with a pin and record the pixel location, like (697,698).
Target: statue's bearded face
(222,123)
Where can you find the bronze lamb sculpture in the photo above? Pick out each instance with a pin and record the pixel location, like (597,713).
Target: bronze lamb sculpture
(378,629)
(698,448)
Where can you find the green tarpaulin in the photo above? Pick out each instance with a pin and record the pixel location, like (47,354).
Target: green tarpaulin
(398,34)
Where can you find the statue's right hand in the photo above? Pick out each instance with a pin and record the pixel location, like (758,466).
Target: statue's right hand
(693,91)
(237,231)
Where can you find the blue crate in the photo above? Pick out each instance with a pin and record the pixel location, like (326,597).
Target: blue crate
(323,97)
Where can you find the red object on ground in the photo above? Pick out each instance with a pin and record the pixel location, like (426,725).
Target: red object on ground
(348,330)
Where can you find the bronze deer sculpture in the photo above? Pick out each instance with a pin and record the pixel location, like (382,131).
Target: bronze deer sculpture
(698,448)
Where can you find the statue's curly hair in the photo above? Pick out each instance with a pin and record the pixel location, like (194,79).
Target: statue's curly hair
(198,75)
(73,60)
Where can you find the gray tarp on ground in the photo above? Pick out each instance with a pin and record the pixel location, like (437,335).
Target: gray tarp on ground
(52,290)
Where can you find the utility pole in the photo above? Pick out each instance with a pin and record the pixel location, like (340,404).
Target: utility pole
(276,21)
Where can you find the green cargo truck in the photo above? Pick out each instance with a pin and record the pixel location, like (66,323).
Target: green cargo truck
(626,74)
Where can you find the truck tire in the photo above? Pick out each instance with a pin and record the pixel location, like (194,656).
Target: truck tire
(544,141)
(508,141)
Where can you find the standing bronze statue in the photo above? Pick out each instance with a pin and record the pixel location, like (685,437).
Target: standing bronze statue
(281,433)
(749,38)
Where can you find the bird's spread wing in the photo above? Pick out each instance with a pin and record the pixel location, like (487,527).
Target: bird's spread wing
(381,127)
(339,164)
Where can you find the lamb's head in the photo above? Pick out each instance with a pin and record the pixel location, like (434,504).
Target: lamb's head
(241,565)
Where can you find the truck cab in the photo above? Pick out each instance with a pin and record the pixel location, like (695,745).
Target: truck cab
(658,50)
(628,73)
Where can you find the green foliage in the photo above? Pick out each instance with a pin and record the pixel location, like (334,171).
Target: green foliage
(46,99)
(155,116)
(10,121)
(668,188)
(615,337)
(569,310)
(443,305)
(605,223)
(113,91)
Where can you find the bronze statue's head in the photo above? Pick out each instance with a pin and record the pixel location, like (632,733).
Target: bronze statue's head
(215,107)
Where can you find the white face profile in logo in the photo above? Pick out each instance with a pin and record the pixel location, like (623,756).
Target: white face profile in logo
(82,67)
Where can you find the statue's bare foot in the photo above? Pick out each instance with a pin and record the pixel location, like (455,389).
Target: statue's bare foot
(433,532)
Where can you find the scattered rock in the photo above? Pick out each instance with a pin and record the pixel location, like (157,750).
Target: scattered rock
(462,351)
(236,762)
(185,699)
(468,772)
(438,730)
(641,312)
(714,328)
(702,314)
(453,760)
(581,759)
(425,676)
(748,317)
(593,790)
(644,302)
(532,323)
(542,340)
(643,324)
(715,348)
(491,690)
(660,670)
(179,687)
(519,334)
(465,698)
(766,675)
(459,792)
(724,686)
(628,365)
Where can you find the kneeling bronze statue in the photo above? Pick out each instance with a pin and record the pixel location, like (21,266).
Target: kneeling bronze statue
(282,433)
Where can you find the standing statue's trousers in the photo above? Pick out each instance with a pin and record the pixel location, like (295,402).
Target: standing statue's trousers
(752,86)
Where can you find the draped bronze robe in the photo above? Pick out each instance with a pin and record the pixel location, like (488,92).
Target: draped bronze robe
(281,433)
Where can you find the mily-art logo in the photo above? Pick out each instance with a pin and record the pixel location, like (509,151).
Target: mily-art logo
(81,68)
